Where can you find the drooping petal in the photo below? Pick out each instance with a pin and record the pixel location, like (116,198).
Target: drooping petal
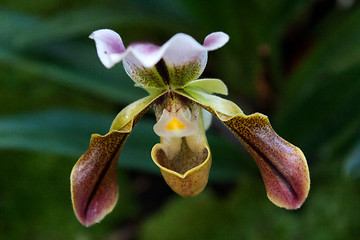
(108,45)
(283,166)
(94,189)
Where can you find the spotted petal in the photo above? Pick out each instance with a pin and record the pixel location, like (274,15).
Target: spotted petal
(184,58)
(94,189)
(283,166)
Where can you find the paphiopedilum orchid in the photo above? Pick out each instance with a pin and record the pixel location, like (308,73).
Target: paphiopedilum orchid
(170,75)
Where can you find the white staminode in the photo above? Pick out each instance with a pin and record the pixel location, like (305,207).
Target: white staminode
(176,124)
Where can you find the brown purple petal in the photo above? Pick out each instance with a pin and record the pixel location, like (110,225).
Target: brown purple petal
(282,165)
(94,187)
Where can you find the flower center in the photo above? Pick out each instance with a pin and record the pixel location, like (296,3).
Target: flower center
(174,124)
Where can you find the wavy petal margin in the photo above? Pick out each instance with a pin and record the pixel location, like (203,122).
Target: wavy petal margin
(94,189)
(282,165)
(184,58)
(181,48)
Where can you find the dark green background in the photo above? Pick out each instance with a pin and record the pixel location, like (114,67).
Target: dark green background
(296,61)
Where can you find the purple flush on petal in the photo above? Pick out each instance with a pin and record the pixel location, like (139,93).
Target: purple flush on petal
(107,42)
(180,50)
(145,47)
(215,40)
(111,41)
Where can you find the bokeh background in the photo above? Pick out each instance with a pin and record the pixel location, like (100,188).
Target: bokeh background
(298,61)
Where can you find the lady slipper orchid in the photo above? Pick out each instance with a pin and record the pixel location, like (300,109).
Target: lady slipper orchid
(170,75)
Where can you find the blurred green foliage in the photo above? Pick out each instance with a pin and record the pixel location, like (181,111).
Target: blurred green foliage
(296,61)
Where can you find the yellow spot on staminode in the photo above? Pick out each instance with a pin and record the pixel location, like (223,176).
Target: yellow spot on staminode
(174,124)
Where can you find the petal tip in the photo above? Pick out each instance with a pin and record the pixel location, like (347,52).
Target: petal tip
(108,43)
(292,191)
(95,214)
(216,40)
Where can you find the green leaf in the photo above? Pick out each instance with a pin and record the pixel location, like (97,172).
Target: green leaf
(62,132)
(352,164)
(335,52)
(68,133)
(74,23)
(192,214)
(136,153)
(320,99)
(81,22)
(326,114)
(245,213)
(13,23)
(104,87)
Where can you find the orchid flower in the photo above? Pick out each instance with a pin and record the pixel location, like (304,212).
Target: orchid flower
(170,74)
